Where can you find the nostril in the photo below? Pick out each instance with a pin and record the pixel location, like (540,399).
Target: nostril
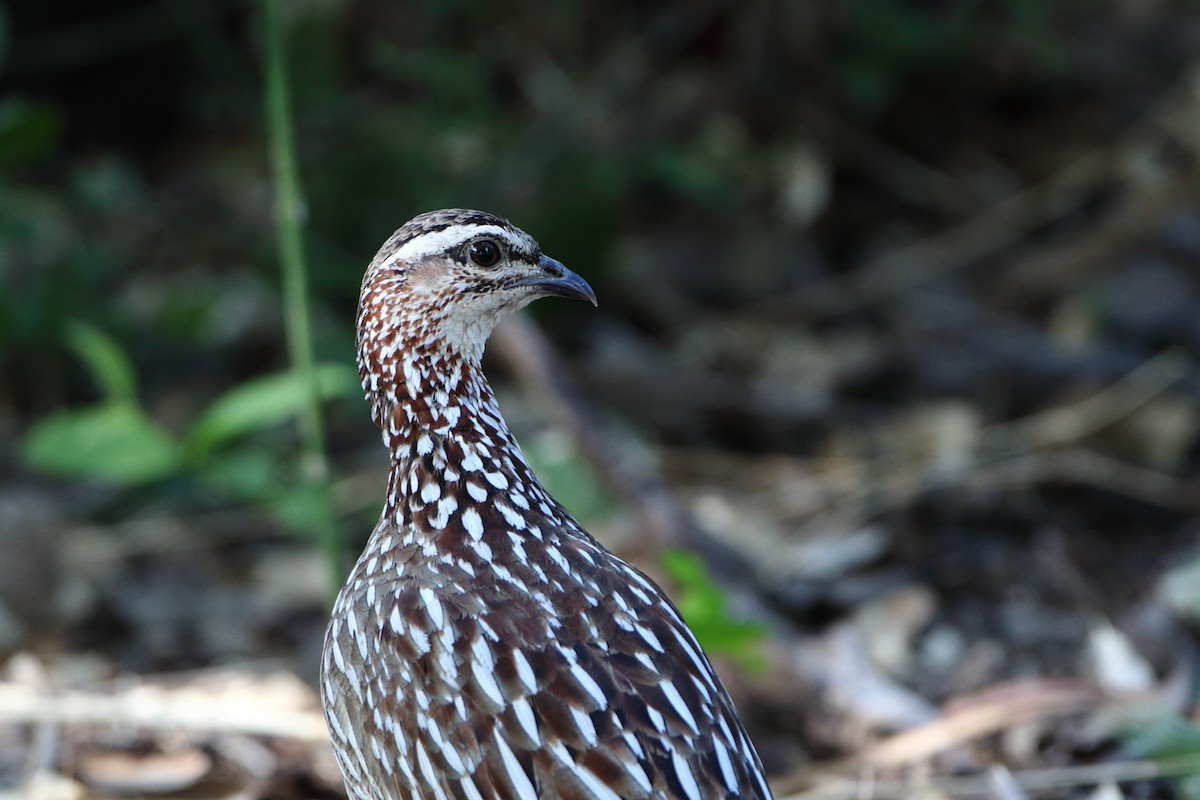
(552,267)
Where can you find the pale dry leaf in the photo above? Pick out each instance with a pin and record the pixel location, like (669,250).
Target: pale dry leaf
(1116,663)
(45,786)
(125,772)
(889,624)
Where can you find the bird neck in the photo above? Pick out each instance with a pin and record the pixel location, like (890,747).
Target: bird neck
(451,450)
(442,393)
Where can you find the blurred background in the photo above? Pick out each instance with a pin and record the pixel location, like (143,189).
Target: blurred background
(892,383)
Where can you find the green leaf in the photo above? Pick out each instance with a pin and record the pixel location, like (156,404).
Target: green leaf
(107,363)
(1165,736)
(256,476)
(1172,741)
(568,477)
(701,602)
(684,567)
(692,174)
(247,473)
(266,401)
(27,130)
(116,443)
(304,508)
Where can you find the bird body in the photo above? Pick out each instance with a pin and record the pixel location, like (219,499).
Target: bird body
(485,645)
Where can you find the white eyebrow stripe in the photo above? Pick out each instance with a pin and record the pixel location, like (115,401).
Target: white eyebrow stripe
(432,244)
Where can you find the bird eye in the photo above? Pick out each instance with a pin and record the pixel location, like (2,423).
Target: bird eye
(484,253)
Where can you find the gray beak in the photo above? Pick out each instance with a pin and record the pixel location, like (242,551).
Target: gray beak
(556,280)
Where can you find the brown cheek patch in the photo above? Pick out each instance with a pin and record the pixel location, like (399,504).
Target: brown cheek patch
(424,275)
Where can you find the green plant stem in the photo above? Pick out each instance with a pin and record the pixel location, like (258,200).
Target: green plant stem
(289,221)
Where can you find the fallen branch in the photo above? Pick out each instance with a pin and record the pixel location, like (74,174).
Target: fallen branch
(223,701)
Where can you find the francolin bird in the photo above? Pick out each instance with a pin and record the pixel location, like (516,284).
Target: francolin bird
(485,645)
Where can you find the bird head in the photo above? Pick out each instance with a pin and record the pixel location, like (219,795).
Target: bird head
(439,285)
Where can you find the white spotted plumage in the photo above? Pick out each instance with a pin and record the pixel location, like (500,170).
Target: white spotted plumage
(485,646)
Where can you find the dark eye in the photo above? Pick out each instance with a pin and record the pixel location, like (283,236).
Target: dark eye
(484,253)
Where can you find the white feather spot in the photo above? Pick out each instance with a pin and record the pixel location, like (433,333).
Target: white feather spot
(518,546)
(568,653)
(338,658)
(642,579)
(590,686)
(487,683)
(686,779)
(497,479)
(593,784)
(488,631)
(477,492)
(469,790)
(447,506)
(677,703)
(640,595)
(761,780)
(557,557)
(472,523)
(420,640)
(335,723)
(377,749)
(502,572)
(483,549)
(693,650)
(447,663)
(524,714)
(399,738)
(649,638)
(512,767)
(433,607)
(426,766)
(525,672)
(560,751)
(728,774)
(729,737)
(453,759)
(482,654)
(514,520)
(586,728)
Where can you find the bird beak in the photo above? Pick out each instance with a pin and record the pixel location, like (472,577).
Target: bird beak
(556,280)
